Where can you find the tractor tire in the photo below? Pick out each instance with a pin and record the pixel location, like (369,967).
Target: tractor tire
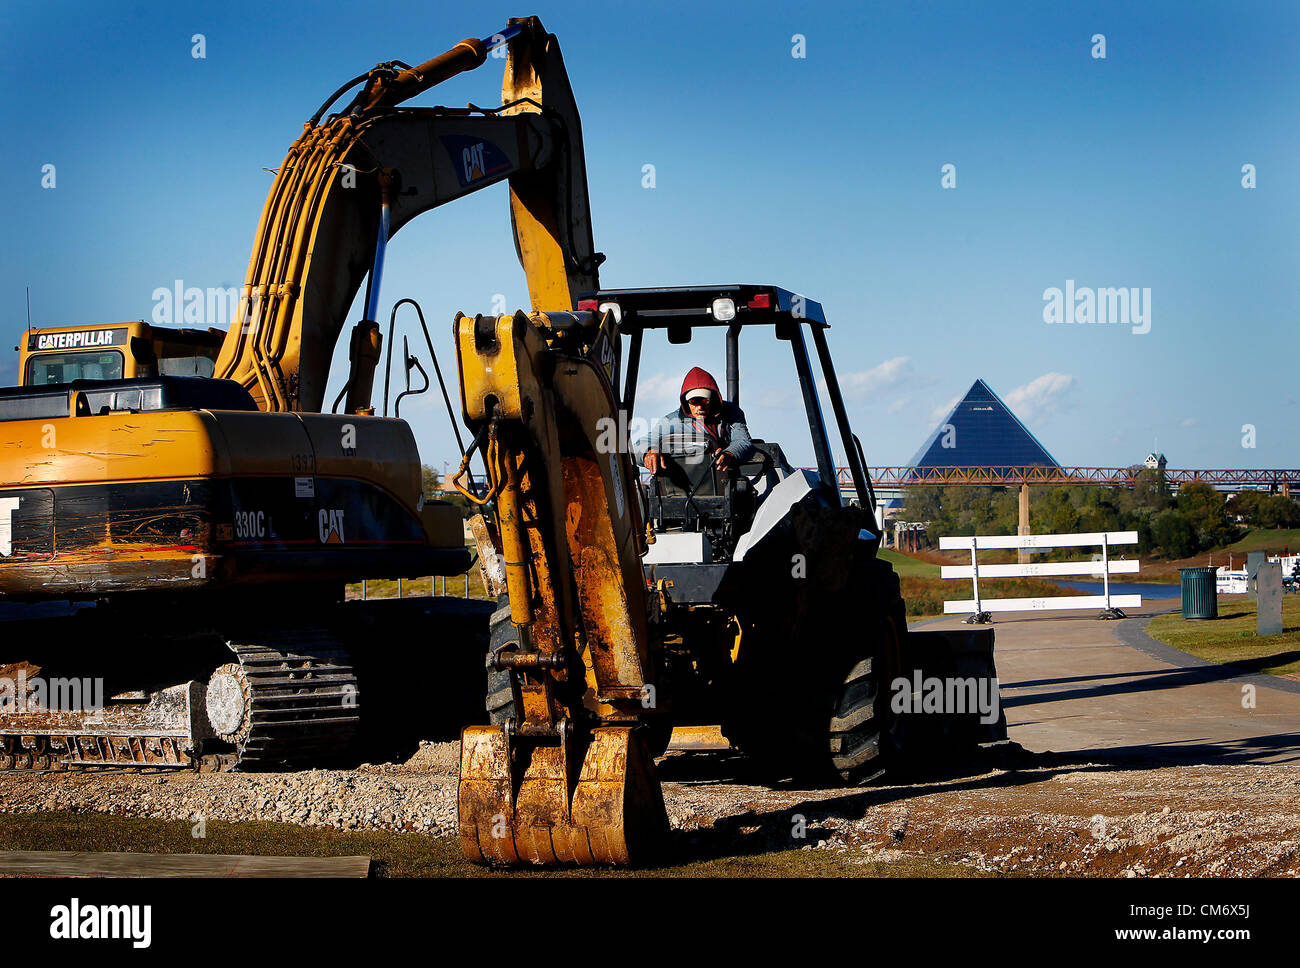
(502,637)
(657,733)
(863,735)
(829,721)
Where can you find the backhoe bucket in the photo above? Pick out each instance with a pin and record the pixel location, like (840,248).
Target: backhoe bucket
(612,812)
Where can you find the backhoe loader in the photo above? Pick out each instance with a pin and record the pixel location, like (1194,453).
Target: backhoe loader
(215,521)
(755,599)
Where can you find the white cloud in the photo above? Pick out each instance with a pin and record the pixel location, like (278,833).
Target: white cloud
(1189,422)
(938,413)
(661,391)
(782,398)
(899,405)
(1041,396)
(862,384)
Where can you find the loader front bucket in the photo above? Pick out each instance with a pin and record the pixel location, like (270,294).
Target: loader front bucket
(960,663)
(535,807)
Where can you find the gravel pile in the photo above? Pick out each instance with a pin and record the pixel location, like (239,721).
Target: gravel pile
(418,796)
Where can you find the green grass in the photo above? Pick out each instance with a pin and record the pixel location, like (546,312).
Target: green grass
(907,566)
(417,587)
(1263,539)
(925,596)
(1231,640)
(1257,539)
(406,855)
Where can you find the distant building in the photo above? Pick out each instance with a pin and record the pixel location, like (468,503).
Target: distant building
(1156,462)
(981,431)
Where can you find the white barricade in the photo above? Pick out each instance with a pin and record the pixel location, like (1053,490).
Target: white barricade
(1103,567)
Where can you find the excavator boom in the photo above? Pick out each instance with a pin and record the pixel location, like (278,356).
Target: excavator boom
(352,180)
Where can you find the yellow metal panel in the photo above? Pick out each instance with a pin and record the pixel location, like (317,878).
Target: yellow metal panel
(111,448)
(491,374)
(264,444)
(376,449)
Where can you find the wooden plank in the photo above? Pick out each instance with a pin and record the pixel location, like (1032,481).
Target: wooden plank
(1032,569)
(991,541)
(1042,604)
(58,863)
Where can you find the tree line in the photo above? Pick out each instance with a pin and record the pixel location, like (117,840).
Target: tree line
(1172,524)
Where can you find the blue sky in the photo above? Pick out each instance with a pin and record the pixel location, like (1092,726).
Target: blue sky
(821,174)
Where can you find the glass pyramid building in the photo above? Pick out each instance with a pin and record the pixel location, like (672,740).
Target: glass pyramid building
(981,431)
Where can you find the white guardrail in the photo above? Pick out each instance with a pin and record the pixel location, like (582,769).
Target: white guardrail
(1103,567)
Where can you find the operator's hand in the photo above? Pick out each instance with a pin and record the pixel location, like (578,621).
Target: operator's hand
(654,461)
(724,461)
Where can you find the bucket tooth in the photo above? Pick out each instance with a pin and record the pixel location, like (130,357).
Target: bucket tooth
(485,800)
(613,814)
(542,807)
(618,800)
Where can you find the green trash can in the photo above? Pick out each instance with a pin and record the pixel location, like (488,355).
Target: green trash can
(1200,593)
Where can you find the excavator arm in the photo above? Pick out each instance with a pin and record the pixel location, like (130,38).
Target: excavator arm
(568,778)
(352,180)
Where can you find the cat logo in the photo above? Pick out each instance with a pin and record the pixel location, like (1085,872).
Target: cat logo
(331,527)
(603,352)
(8,505)
(472,159)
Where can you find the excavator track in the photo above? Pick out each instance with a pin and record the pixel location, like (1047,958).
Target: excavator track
(295,696)
(288,699)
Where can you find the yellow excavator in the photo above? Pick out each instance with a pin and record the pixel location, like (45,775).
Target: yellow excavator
(213,522)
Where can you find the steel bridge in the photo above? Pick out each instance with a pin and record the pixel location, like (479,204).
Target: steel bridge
(1276,480)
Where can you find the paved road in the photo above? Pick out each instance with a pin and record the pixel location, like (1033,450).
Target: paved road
(1073,684)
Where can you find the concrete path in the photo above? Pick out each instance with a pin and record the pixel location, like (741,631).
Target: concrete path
(1073,684)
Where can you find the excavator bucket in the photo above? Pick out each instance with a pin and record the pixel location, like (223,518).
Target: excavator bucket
(610,812)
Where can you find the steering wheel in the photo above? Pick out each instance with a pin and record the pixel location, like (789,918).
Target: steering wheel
(765,465)
(674,470)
